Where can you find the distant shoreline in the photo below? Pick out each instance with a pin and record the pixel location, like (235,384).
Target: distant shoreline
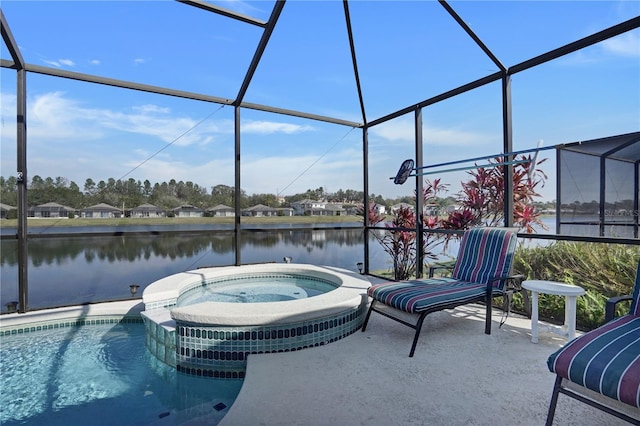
(162,221)
(128,221)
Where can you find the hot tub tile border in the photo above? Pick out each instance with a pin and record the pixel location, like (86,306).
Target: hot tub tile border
(222,351)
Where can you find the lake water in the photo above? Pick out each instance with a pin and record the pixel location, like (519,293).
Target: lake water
(77,269)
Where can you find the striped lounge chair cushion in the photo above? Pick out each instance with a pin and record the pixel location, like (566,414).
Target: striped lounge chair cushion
(432,294)
(485,253)
(605,360)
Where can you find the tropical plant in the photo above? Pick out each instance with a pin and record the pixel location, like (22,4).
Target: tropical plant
(400,239)
(481,202)
(481,199)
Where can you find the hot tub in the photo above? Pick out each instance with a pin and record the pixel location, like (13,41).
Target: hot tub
(214,338)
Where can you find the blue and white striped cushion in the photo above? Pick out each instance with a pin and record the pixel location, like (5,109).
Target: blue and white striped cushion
(420,295)
(605,360)
(635,297)
(485,253)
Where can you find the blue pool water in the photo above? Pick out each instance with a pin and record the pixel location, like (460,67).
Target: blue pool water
(257,288)
(101,375)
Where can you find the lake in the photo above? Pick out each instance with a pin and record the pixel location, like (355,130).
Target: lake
(79,269)
(76,269)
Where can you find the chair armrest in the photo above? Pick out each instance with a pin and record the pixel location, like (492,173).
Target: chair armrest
(610,307)
(514,280)
(441,265)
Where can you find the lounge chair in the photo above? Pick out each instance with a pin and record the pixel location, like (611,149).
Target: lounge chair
(602,367)
(480,272)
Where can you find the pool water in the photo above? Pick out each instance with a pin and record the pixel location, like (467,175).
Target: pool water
(257,289)
(101,375)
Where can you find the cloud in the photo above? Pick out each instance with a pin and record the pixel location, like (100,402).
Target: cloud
(260,174)
(8,108)
(270,127)
(138,61)
(58,123)
(150,108)
(161,168)
(341,169)
(627,45)
(94,62)
(51,116)
(54,116)
(402,130)
(244,7)
(60,63)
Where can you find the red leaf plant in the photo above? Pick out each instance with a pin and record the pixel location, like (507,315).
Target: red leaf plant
(480,203)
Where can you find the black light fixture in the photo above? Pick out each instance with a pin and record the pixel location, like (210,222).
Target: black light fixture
(12,307)
(133,288)
(360,266)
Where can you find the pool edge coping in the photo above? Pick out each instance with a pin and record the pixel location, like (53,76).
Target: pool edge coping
(352,292)
(70,315)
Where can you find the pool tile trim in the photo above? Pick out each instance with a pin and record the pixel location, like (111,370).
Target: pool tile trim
(72,316)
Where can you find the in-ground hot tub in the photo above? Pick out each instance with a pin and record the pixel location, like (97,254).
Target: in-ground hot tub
(209,337)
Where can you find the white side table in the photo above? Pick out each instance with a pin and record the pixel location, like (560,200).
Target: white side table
(570,292)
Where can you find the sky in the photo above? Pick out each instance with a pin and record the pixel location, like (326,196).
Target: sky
(406,52)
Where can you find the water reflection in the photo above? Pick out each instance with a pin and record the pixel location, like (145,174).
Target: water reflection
(80,269)
(58,251)
(83,269)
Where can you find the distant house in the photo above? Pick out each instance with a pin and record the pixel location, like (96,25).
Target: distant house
(334,210)
(309,207)
(380,209)
(147,210)
(318,208)
(4,210)
(101,211)
(187,210)
(222,211)
(260,210)
(432,209)
(51,210)
(353,210)
(285,211)
(396,207)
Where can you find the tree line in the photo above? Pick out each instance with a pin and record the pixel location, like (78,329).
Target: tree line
(166,195)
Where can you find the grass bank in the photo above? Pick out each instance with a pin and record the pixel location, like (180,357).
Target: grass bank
(603,270)
(129,221)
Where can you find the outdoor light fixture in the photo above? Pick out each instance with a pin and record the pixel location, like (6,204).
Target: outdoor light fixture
(133,288)
(12,307)
(360,266)
(287,259)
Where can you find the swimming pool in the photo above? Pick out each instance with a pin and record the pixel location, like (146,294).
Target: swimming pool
(101,375)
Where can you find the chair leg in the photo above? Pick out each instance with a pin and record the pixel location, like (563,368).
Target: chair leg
(418,327)
(487,320)
(554,401)
(366,319)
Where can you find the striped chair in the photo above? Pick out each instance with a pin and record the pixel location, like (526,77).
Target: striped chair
(604,361)
(480,272)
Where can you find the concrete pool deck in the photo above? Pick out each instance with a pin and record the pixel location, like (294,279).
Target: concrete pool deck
(458,376)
